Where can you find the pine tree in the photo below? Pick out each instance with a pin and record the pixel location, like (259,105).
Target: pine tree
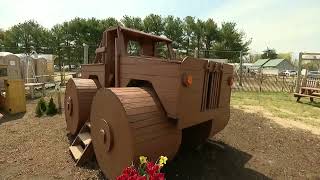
(41,107)
(52,110)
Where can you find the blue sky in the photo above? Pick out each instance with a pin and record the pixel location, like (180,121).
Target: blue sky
(286,25)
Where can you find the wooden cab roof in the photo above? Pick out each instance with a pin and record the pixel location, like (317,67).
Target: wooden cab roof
(138,35)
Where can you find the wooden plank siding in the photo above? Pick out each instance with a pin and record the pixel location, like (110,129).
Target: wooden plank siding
(162,74)
(191,110)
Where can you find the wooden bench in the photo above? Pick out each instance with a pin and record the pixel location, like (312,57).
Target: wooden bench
(32,87)
(310,89)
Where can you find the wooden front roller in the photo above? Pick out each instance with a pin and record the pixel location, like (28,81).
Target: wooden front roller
(128,123)
(77,102)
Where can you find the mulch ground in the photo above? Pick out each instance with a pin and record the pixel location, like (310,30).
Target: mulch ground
(253,147)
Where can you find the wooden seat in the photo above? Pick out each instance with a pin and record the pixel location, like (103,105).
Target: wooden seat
(310,89)
(305,95)
(32,86)
(316,94)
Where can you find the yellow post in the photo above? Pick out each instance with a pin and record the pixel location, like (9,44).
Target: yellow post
(15,100)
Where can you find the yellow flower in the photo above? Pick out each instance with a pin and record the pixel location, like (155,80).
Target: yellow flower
(143,159)
(162,160)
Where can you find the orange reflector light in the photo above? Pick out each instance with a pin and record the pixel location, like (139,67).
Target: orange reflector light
(230,81)
(187,80)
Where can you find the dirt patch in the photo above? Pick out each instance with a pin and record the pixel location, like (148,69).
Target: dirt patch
(255,147)
(282,121)
(37,148)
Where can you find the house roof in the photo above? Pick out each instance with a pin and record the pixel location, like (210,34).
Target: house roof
(247,64)
(273,62)
(260,62)
(217,60)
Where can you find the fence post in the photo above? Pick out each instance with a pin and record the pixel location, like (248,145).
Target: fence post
(196,53)
(58,92)
(240,80)
(299,73)
(282,84)
(62,75)
(260,85)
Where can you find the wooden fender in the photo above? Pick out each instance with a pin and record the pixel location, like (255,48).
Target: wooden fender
(128,123)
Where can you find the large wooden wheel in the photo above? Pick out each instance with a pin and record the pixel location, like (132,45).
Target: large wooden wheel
(77,102)
(127,123)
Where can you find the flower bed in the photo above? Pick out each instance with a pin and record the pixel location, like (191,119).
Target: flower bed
(146,170)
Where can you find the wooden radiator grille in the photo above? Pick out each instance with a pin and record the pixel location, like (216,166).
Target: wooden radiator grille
(211,90)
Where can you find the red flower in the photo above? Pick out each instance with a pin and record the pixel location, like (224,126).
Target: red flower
(142,178)
(123,177)
(152,168)
(130,171)
(133,177)
(157,176)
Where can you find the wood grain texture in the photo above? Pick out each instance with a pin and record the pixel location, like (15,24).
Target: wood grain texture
(194,105)
(90,70)
(137,125)
(78,98)
(163,75)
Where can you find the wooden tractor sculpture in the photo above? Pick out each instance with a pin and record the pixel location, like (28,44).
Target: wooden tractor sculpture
(135,99)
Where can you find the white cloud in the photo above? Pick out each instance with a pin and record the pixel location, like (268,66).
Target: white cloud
(284,25)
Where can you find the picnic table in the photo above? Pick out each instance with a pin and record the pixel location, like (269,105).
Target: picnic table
(310,90)
(32,86)
(73,74)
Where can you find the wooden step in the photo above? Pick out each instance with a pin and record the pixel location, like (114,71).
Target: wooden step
(88,124)
(76,151)
(85,137)
(82,148)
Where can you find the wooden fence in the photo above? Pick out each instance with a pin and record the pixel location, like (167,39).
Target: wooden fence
(265,83)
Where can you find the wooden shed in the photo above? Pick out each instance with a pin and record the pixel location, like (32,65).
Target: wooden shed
(13,69)
(28,68)
(41,69)
(13,62)
(49,72)
(50,69)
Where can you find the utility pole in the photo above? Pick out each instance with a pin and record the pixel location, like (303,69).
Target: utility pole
(240,80)
(85,53)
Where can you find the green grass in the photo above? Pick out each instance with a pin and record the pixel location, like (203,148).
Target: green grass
(281,105)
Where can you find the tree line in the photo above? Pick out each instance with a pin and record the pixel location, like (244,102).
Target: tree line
(66,39)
